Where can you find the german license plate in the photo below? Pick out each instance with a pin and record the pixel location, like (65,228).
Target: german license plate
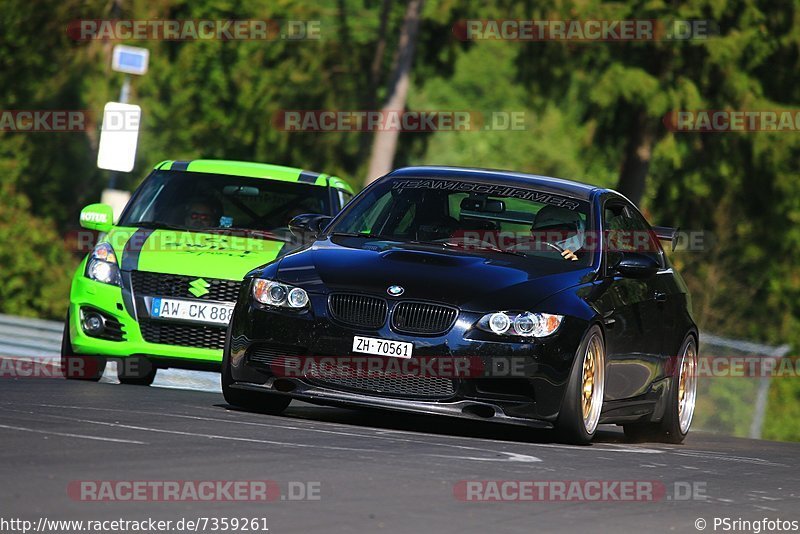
(382,347)
(192,310)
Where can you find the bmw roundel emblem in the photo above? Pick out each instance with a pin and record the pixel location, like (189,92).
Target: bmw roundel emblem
(395,291)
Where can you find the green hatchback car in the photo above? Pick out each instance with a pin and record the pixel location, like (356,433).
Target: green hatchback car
(158,289)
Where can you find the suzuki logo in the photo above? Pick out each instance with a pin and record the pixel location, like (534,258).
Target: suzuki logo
(395,291)
(199,287)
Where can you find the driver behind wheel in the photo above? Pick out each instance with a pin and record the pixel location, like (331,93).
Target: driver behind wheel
(202,212)
(431,221)
(561,227)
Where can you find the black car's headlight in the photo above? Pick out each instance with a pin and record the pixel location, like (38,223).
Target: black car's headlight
(102,265)
(525,324)
(277,294)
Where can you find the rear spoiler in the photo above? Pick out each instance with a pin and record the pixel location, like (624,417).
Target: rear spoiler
(666,233)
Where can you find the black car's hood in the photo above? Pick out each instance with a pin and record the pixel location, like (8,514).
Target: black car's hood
(469,280)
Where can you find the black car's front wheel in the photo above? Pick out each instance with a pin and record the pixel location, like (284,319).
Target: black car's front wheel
(250,400)
(680,402)
(583,399)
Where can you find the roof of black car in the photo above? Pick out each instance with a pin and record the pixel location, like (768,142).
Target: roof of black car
(555,185)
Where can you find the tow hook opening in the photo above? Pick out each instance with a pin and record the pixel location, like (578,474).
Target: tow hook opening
(480,410)
(283,385)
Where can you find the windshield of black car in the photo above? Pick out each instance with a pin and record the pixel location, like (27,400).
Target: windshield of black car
(492,218)
(215,202)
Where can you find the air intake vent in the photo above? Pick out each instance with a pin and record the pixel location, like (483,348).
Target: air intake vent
(423,318)
(391,386)
(205,337)
(358,310)
(264,354)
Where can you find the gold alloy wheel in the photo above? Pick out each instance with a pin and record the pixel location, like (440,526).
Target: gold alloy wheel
(592,383)
(687,386)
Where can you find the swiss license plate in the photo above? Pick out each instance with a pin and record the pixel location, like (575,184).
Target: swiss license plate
(382,347)
(192,310)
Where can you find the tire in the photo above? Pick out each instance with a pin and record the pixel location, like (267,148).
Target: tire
(680,402)
(254,401)
(580,414)
(136,371)
(77,366)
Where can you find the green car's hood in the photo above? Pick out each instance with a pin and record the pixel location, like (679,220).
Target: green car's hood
(191,253)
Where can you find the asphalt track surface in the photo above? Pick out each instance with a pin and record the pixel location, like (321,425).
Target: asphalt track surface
(377,472)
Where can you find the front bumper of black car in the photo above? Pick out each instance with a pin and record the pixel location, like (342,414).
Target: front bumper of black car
(515,382)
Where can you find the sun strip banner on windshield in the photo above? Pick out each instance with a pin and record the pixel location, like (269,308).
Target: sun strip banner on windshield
(487,189)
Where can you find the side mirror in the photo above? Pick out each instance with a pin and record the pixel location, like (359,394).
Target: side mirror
(635,265)
(309,225)
(98,217)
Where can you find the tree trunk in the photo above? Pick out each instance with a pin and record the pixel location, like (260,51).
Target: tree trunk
(384,145)
(633,175)
(375,75)
(380,49)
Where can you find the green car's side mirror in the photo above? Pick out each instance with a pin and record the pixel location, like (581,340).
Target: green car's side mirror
(98,217)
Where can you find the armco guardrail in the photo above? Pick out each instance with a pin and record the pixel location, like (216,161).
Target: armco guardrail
(36,338)
(23,336)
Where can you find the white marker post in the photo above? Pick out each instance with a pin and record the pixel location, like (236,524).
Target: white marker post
(119,136)
(120,132)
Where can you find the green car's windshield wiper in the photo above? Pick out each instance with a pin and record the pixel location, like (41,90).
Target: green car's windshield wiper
(266,234)
(154,225)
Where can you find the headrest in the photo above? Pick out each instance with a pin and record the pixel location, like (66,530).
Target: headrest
(556,217)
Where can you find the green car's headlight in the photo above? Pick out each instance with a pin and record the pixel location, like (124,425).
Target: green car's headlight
(525,324)
(276,294)
(102,265)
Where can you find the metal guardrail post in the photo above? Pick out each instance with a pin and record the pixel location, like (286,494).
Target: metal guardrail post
(760,411)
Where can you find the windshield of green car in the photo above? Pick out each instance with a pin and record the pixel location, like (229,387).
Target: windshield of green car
(207,202)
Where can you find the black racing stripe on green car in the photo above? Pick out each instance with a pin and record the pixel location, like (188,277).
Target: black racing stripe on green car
(127,294)
(130,262)
(180,165)
(308,177)
(133,249)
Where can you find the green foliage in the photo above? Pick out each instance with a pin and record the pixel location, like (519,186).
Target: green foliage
(784,402)
(36,265)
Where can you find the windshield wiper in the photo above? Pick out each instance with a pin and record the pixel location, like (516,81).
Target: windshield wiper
(161,226)
(266,234)
(477,248)
(356,234)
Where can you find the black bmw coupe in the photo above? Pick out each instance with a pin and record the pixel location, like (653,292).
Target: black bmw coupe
(481,294)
